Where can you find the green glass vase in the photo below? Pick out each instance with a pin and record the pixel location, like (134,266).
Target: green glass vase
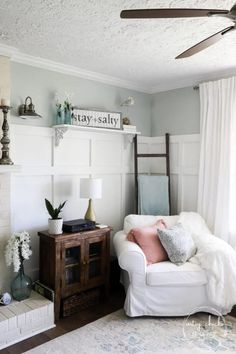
(21,285)
(67,115)
(60,117)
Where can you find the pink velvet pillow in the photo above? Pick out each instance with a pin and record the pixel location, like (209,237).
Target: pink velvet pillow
(148,239)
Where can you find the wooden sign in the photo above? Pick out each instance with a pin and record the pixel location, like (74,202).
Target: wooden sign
(96,119)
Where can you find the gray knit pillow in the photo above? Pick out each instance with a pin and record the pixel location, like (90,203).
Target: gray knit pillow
(178,244)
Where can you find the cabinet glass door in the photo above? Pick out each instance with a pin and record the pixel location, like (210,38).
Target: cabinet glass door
(72,260)
(95,254)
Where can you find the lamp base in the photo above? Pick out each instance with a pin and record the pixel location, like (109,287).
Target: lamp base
(90,215)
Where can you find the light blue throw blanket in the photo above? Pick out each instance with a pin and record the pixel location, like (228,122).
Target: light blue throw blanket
(153,195)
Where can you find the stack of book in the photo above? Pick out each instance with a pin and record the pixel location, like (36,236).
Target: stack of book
(129,128)
(44,290)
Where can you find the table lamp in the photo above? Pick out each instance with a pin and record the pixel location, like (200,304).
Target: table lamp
(90,188)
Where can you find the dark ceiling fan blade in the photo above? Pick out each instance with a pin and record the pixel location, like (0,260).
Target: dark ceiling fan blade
(233,11)
(205,43)
(171,13)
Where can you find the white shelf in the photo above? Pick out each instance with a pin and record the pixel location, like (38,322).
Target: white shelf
(61,129)
(9,168)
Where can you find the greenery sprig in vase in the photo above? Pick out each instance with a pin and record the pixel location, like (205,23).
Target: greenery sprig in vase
(64,110)
(17,251)
(68,108)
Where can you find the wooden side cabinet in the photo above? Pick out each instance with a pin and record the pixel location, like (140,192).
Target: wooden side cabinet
(72,263)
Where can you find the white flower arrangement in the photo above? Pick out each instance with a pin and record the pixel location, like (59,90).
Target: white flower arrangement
(18,249)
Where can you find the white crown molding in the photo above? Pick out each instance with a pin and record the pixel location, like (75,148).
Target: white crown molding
(15,55)
(7,51)
(191,82)
(173,86)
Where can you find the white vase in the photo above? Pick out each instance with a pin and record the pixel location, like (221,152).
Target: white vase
(55,226)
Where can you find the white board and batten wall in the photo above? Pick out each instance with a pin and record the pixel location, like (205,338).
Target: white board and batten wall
(53,172)
(184,164)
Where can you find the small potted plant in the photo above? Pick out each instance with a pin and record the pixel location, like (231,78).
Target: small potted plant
(55,222)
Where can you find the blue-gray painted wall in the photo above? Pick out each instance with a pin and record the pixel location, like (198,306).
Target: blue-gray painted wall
(176,111)
(42,84)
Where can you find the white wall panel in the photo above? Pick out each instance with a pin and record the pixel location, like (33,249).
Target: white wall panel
(127,157)
(174,157)
(157,165)
(157,147)
(28,210)
(189,192)
(67,187)
(73,151)
(143,148)
(128,196)
(54,173)
(107,153)
(30,147)
(191,154)
(108,208)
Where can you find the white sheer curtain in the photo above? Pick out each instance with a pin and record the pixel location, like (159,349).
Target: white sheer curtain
(217,172)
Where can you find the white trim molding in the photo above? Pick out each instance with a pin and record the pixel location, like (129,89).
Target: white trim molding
(19,57)
(61,129)
(23,58)
(7,51)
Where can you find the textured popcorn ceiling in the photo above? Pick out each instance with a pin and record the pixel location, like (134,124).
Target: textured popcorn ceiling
(89,34)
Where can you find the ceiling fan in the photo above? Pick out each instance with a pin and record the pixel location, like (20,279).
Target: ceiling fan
(184,13)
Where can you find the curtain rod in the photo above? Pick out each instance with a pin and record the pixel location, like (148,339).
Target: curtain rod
(196,87)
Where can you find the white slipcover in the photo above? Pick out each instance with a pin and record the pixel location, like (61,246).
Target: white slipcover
(161,289)
(170,274)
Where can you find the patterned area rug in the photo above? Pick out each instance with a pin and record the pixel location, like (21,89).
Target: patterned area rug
(118,334)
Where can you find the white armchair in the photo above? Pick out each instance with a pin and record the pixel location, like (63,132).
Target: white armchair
(131,258)
(160,289)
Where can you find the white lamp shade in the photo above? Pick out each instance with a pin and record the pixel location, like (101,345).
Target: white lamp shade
(91,188)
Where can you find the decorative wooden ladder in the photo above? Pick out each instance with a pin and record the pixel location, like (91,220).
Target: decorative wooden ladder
(166,155)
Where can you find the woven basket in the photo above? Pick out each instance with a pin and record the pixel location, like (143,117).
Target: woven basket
(80,301)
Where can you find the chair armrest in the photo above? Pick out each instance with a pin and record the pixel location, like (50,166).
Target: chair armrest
(130,256)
